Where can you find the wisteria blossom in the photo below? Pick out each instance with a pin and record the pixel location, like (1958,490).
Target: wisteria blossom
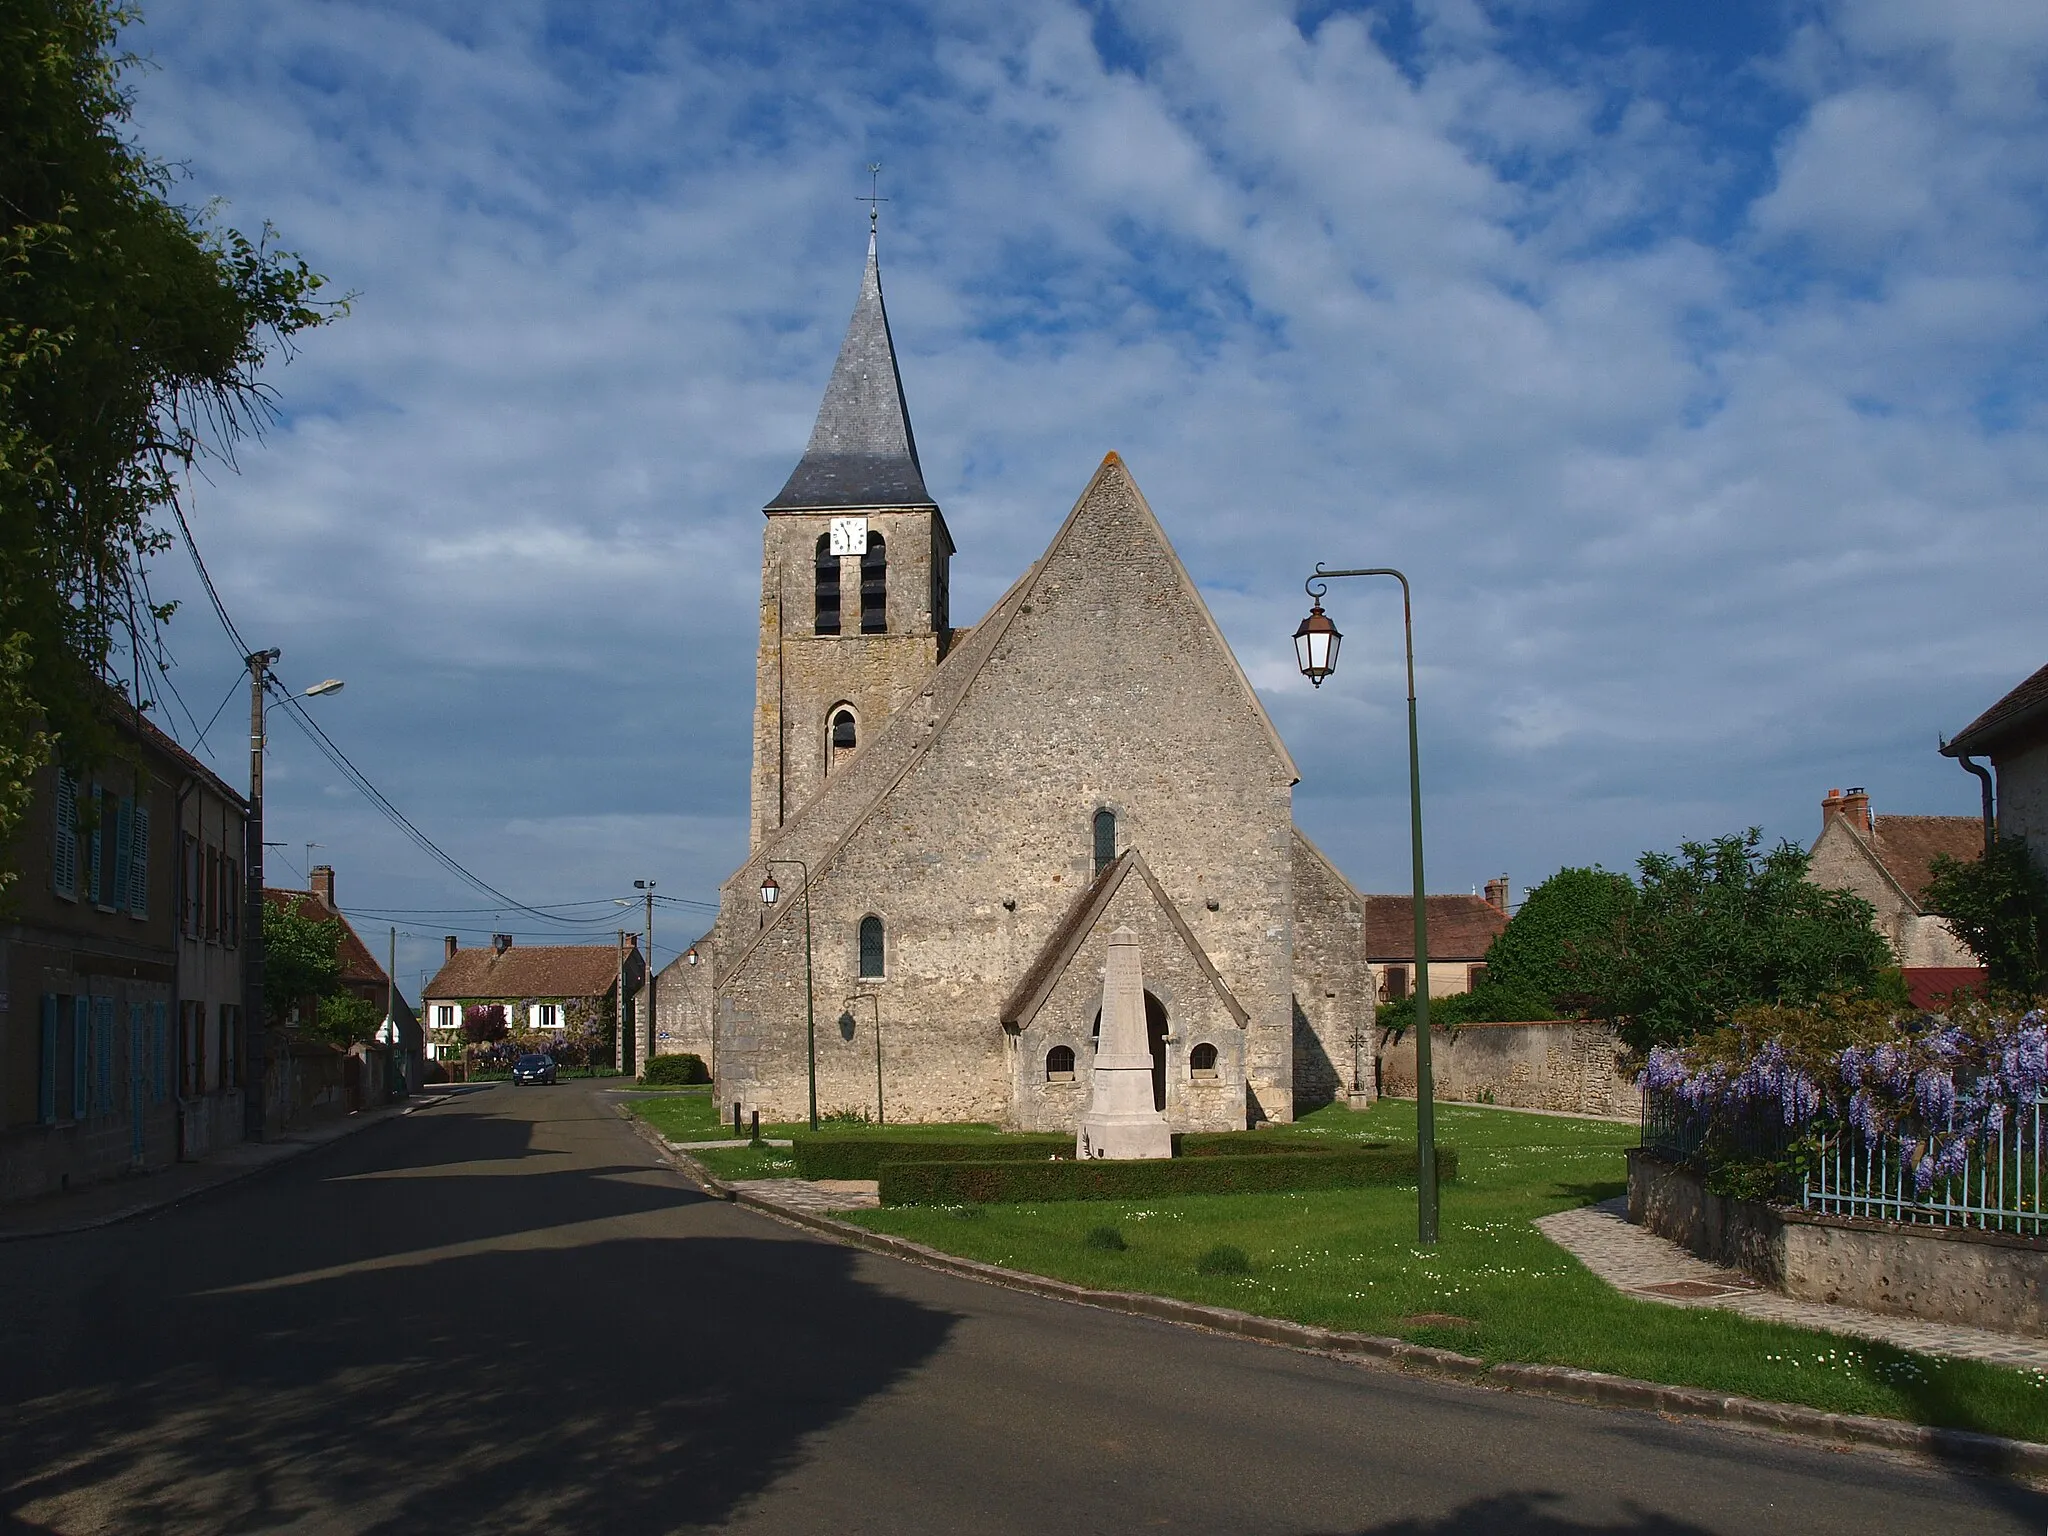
(1939,1087)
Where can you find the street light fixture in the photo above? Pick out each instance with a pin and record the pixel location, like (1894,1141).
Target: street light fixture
(1315,653)
(770,894)
(875,1002)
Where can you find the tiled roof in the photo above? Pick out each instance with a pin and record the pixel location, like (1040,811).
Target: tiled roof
(357,963)
(2025,705)
(528,970)
(1460,927)
(1907,845)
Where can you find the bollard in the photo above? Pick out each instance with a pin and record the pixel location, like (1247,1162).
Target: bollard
(756,1136)
(735,1117)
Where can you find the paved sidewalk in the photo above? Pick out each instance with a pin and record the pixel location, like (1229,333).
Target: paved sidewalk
(815,1197)
(1644,1265)
(120,1199)
(714,1146)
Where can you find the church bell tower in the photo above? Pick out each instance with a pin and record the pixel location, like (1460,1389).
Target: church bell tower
(853,577)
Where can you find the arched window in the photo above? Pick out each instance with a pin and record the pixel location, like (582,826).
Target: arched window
(1059,1064)
(1202,1061)
(874,587)
(1105,839)
(871,948)
(842,735)
(825,619)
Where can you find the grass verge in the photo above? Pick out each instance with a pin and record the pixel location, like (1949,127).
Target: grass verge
(1494,1286)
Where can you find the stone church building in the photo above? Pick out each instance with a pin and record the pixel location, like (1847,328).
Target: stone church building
(956,818)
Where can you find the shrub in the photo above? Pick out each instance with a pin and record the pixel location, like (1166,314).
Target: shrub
(990,1182)
(676,1071)
(846,1157)
(1250,1144)
(1109,1239)
(1224,1259)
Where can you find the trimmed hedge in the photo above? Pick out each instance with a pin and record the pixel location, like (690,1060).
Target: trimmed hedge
(990,1182)
(862,1157)
(679,1070)
(1257,1144)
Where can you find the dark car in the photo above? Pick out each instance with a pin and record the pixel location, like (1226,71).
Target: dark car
(534,1069)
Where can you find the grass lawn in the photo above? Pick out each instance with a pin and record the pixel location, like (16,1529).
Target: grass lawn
(1493,1287)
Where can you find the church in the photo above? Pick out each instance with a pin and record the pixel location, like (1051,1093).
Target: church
(949,821)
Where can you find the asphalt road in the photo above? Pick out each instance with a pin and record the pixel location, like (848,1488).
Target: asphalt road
(500,1314)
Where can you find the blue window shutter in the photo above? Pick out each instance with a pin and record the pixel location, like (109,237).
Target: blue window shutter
(46,1063)
(95,845)
(64,861)
(124,838)
(81,1056)
(138,863)
(157,1049)
(103,1053)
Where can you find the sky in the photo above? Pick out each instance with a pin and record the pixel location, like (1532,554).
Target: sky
(1690,360)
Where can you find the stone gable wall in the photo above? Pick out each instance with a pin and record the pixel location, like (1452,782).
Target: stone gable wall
(1108,688)
(1195,1015)
(1333,986)
(2023,797)
(1840,861)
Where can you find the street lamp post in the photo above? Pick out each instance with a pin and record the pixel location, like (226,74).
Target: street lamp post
(881,1117)
(770,893)
(1315,648)
(647,1029)
(254,1046)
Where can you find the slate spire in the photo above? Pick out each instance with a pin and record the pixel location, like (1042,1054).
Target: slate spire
(861,453)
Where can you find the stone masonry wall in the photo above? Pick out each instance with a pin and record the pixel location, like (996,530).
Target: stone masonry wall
(1333,986)
(2023,797)
(1582,1069)
(1105,686)
(1195,1015)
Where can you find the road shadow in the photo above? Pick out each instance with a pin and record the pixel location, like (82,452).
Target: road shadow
(1529,1514)
(637,1384)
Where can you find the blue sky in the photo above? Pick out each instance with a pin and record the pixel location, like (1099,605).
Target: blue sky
(1687,357)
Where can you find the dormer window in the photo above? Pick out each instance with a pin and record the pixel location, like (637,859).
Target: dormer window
(874,587)
(825,619)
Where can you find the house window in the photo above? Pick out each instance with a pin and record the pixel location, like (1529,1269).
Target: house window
(825,613)
(444,1015)
(138,860)
(230,1045)
(1202,1061)
(231,902)
(81,1056)
(1105,840)
(547,1016)
(1059,1064)
(124,853)
(871,948)
(64,864)
(1474,974)
(1394,983)
(874,587)
(191,1049)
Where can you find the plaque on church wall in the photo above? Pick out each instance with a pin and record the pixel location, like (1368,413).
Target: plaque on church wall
(849,535)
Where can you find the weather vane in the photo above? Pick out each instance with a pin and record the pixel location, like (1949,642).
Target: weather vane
(874,198)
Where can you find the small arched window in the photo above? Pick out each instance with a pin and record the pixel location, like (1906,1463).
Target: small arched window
(874,587)
(1202,1061)
(1105,839)
(871,956)
(845,732)
(1059,1064)
(825,616)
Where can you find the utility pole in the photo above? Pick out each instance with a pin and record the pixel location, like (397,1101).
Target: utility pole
(255,1038)
(619,1010)
(647,1028)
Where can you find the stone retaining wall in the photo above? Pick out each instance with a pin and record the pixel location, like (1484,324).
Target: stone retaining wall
(1578,1068)
(1938,1274)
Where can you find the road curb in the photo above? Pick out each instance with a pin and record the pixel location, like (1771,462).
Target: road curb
(1954,1447)
(297,1149)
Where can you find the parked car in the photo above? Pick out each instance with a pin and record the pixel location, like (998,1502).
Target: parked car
(533,1069)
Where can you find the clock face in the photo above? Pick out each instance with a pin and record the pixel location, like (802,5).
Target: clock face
(849,535)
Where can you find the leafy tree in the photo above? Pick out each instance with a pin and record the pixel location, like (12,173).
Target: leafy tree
(132,332)
(341,1018)
(485,1023)
(301,959)
(1721,926)
(1997,904)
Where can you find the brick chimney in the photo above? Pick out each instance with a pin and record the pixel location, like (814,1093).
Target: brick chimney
(500,942)
(449,944)
(322,876)
(1497,894)
(1853,807)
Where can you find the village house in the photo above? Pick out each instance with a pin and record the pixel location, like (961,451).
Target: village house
(1888,861)
(949,822)
(2013,733)
(546,990)
(1461,930)
(122,1041)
